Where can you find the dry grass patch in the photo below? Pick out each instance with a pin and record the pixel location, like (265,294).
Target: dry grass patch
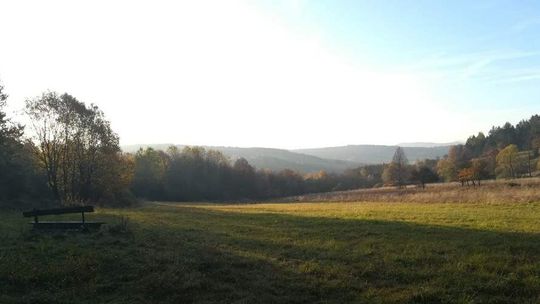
(500,191)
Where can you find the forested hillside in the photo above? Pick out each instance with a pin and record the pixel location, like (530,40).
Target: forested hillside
(329,159)
(375,154)
(507,151)
(271,159)
(73,157)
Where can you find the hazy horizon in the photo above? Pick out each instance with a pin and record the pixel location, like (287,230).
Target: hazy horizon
(408,145)
(280,74)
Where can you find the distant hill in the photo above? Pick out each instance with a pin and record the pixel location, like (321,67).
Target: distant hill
(134,148)
(429,144)
(278,159)
(332,159)
(374,154)
(273,159)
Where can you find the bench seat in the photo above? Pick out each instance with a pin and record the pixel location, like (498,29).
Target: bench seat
(66,225)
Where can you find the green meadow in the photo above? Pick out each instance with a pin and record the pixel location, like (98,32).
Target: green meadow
(280,253)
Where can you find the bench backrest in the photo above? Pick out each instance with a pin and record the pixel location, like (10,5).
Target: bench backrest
(80,209)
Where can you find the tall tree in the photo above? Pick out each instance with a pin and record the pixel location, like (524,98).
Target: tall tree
(10,142)
(19,177)
(476,144)
(149,176)
(77,148)
(245,179)
(507,161)
(396,172)
(447,169)
(423,175)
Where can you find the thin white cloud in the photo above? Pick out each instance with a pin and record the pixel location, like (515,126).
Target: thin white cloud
(467,66)
(516,75)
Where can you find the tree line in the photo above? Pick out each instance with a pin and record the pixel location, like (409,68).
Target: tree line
(506,152)
(69,154)
(195,173)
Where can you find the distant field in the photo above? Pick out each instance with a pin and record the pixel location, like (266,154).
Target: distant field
(281,253)
(522,190)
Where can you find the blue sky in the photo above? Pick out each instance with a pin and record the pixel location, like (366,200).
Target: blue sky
(396,32)
(285,74)
(488,50)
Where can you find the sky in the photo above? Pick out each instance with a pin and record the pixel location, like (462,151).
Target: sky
(281,74)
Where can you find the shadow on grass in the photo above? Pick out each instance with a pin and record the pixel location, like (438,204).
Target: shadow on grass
(188,254)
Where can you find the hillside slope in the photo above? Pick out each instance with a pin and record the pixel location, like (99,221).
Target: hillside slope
(374,154)
(273,159)
(277,159)
(331,159)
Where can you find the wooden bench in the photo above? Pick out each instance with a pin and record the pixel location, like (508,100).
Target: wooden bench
(64,225)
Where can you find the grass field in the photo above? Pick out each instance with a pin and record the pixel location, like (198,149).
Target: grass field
(281,253)
(522,190)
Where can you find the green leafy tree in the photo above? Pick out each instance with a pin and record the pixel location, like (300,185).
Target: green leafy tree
(476,144)
(244,180)
(507,161)
(149,173)
(396,173)
(423,175)
(523,163)
(447,169)
(535,145)
(20,178)
(10,145)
